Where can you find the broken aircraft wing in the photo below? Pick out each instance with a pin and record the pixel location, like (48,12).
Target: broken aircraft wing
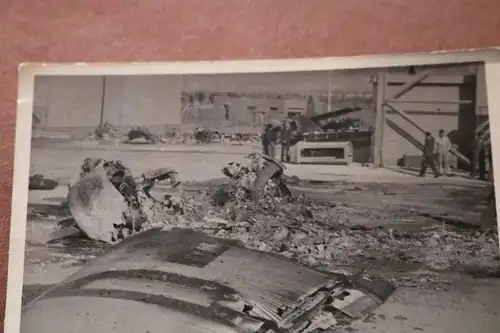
(184,281)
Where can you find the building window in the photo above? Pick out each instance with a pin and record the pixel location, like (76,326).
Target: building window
(293,114)
(273,108)
(251,107)
(258,118)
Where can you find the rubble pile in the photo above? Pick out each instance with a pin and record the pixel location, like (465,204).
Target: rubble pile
(104,131)
(313,234)
(172,137)
(241,137)
(307,231)
(142,134)
(206,135)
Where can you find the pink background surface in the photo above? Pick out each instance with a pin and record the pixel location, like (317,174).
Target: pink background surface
(163,30)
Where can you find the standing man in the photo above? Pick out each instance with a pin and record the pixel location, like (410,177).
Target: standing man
(490,161)
(272,140)
(429,156)
(263,138)
(286,137)
(479,157)
(269,140)
(443,145)
(475,154)
(482,159)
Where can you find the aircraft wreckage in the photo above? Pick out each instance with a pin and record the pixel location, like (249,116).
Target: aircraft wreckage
(108,203)
(179,280)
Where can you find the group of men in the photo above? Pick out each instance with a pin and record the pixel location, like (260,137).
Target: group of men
(436,152)
(270,138)
(437,155)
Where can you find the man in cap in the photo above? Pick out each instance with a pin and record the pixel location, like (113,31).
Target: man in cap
(270,140)
(429,156)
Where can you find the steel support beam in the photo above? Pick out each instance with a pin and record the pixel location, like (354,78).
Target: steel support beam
(378,140)
(405,117)
(431,102)
(483,126)
(410,84)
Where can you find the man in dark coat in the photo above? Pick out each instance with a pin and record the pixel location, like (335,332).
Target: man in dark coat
(429,156)
(479,157)
(286,137)
(490,162)
(271,138)
(263,143)
(264,140)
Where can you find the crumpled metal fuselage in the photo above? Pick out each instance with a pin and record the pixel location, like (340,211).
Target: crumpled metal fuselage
(108,201)
(185,281)
(257,174)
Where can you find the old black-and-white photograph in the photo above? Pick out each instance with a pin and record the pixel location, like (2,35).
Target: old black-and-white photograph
(320,201)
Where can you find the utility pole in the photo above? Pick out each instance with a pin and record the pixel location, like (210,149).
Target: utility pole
(329,92)
(103,96)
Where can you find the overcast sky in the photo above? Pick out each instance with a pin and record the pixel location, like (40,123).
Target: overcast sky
(279,82)
(349,81)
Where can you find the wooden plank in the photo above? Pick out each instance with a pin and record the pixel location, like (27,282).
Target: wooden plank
(410,84)
(463,102)
(486,132)
(428,113)
(407,118)
(452,71)
(462,157)
(379,119)
(405,135)
(483,126)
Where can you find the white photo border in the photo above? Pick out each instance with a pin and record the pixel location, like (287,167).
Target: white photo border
(26,81)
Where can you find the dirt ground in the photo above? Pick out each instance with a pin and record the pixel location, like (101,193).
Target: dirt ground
(419,232)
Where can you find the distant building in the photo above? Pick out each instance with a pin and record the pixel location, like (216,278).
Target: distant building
(294,107)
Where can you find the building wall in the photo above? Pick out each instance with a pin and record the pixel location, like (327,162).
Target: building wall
(243,112)
(395,146)
(301,82)
(293,106)
(73,102)
(456,119)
